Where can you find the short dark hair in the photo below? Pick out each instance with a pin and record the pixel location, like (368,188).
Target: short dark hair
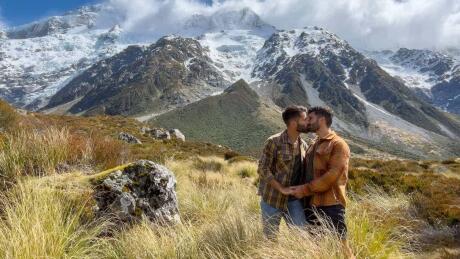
(292,112)
(324,112)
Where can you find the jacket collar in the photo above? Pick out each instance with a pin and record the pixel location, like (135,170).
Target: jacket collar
(329,136)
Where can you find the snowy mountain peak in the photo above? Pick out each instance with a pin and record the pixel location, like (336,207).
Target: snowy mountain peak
(39,58)
(285,44)
(242,19)
(311,40)
(421,68)
(425,61)
(82,17)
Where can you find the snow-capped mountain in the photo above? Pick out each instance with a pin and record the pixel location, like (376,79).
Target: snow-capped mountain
(38,59)
(83,17)
(168,74)
(241,19)
(79,67)
(284,45)
(232,39)
(313,65)
(432,74)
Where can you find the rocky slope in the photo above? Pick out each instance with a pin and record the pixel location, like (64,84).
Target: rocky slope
(168,74)
(433,75)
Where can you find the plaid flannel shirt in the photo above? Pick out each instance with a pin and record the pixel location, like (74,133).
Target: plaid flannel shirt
(277,162)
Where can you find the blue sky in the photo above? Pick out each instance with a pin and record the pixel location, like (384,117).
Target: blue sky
(17,12)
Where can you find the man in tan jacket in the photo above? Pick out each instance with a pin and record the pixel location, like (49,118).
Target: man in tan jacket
(326,167)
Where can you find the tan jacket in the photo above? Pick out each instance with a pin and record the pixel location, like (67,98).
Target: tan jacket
(330,171)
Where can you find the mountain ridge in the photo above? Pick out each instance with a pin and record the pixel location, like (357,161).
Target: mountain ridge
(308,66)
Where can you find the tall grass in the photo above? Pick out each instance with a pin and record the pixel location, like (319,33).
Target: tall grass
(50,217)
(33,152)
(38,221)
(383,225)
(8,117)
(220,219)
(38,152)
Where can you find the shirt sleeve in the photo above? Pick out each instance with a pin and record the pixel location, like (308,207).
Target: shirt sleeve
(266,161)
(340,155)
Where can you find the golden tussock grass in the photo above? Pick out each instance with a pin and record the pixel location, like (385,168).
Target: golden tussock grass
(39,221)
(49,215)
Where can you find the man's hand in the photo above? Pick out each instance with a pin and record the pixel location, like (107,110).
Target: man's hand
(285,190)
(300,191)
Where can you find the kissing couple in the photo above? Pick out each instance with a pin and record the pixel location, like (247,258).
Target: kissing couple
(304,184)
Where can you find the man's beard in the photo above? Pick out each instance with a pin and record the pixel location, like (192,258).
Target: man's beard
(312,127)
(303,128)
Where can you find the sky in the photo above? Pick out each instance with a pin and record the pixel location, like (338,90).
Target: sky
(17,12)
(366,24)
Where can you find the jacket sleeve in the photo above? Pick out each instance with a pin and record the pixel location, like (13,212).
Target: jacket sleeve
(340,155)
(266,161)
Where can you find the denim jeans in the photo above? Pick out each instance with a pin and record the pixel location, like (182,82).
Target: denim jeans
(271,217)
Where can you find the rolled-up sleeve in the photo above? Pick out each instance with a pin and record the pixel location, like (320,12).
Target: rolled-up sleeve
(266,161)
(338,162)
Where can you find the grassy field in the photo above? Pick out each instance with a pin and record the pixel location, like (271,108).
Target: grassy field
(50,217)
(397,208)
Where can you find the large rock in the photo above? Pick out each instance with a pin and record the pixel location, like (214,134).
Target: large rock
(128,138)
(177,134)
(143,188)
(160,134)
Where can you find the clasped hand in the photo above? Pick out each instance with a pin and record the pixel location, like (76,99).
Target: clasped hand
(296,191)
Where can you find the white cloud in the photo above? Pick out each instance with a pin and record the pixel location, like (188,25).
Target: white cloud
(375,24)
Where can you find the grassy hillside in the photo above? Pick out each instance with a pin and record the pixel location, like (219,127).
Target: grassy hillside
(237,118)
(397,208)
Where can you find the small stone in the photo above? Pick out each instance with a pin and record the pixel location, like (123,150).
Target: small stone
(146,130)
(128,138)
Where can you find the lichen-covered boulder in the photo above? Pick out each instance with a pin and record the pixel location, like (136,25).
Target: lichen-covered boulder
(143,188)
(128,138)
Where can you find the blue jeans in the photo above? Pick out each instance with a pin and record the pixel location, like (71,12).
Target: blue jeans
(271,217)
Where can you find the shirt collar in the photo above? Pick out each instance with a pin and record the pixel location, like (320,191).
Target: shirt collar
(285,138)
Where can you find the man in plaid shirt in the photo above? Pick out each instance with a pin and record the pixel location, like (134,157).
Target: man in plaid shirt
(280,167)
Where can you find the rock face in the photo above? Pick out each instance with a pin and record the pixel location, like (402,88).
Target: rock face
(170,73)
(128,138)
(433,74)
(143,188)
